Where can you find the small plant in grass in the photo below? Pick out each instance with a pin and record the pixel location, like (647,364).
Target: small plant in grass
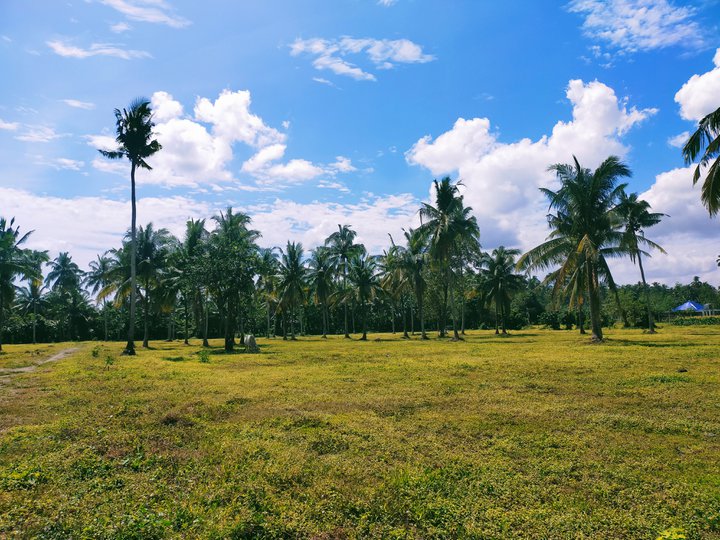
(204,356)
(674,533)
(109,361)
(96,351)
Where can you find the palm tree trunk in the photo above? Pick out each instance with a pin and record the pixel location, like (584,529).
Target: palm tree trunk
(205,326)
(405,332)
(130,346)
(364,322)
(412,320)
(268,317)
(185,304)
(497,328)
(502,318)
(347,336)
(229,327)
(2,321)
(443,311)
(423,335)
(623,313)
(34,323)
(325,320)
(581,321)
(392,316)
(292,323)
(462,316)
(352,317)
(594,294)
(105,321)
(146,306)
(651,323)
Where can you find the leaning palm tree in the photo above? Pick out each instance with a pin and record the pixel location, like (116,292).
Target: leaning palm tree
(585,229)
(500,282)
(637,217)
(343,247)
(292,281)
(133,127)
(366,284)
(706,140)
(320,277)
(448,225)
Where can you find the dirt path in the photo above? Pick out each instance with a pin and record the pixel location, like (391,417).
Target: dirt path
(6,374)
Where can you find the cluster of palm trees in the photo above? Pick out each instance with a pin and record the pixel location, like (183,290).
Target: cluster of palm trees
(592,219)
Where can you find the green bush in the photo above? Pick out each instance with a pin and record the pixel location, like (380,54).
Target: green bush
(696,321)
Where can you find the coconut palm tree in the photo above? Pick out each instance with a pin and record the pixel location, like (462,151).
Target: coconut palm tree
(267,283)
(636,216)
(292,281)
(366,284)
(64,278)
(447,226)
(413,262)
(97,279)
(183,269)
(706,140)
(585,229)
(320,278)
(134,136)
(393,282)
(500,282)
(31,297)
(343,247)
(153,249)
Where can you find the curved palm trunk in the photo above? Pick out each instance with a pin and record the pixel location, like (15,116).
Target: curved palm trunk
(651,323)
(130,346)
(594,295)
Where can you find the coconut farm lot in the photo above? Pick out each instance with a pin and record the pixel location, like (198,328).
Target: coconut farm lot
(539,434)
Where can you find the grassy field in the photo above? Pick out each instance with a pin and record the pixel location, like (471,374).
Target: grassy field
(536,435)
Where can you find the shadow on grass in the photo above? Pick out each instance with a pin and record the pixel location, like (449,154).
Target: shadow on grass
(651,344)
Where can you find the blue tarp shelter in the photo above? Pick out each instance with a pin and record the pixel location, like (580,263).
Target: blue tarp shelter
(690,306)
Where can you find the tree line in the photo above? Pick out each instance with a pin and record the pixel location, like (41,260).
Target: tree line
(217,278)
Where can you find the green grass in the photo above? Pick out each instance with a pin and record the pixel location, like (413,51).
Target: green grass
(537,435)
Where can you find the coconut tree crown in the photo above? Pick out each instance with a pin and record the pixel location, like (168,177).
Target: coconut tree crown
(134,128)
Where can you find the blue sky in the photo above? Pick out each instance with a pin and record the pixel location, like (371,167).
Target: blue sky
(308,114)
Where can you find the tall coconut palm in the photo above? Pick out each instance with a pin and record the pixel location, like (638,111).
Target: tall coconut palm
(64,278)
(585,229)
(97,279)
(366,284)
(292,281)
(320,278)
(134,136)
(184,270)
(394,282)
(706,140)
(413,261)
(267,282)
(343,247)
(500,282)
(447,226)
(636,216)
(31,297)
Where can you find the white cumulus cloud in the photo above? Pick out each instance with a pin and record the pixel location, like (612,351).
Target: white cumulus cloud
(700,95)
